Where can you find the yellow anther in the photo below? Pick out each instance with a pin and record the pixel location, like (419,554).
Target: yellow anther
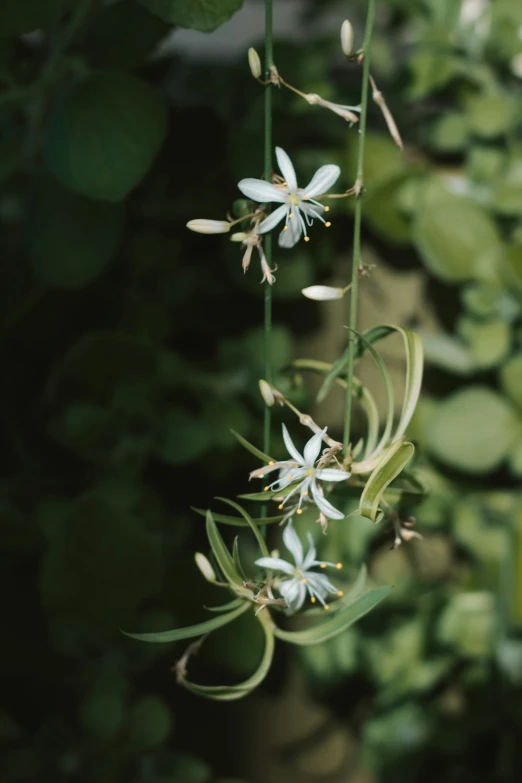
(339,566)
(265,489)
(280,507)
(299,511)
(303,581)
(285,228)
(328,224)
(312,599)
(307,239)
(322,565)
(340,593)
(305,492)
(289,476)
(326,607)
(271,462)
(291,215)
(305,198)
(327,209)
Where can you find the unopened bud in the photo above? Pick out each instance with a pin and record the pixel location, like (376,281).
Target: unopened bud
(346,37)
(266,393)
(254,63)
(203,226)
(239,236)
(323,293)
(204,566)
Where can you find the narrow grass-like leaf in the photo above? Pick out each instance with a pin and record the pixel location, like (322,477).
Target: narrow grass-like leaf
(233,692)
(237,559)
(414,370)
(239,521)
(251,524)
(250,447)
(225,607)
(338,622)
(221,553)
(391,464)
(163,637)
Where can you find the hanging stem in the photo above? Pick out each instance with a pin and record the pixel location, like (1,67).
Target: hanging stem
(267,242)
(359,189)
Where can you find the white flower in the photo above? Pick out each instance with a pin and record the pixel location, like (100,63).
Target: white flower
(204,226)
(296,212)
(301,469)
(302,579)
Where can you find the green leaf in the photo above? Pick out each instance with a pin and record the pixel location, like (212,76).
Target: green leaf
(452,234)
(25,16)
(472,430)
(511,379)
(70,239)
(445,351)
(489,341)
(105,134)
(202,15)
(184,437)
(450,133)
(250,447)
(250,522)
(233,692)
(391,464)
(164,637)
(221,553)
(225,607)
(491,114)
(224,519)
(339,622)
(150,722)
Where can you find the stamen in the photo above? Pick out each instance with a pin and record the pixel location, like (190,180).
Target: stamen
(307,239)
(280,506)
(291,215)
(305,492)
(327,209)
(289,477)
(340,593)
(322,565)
(271,462)
(285,228)
(265,489)
(339,566)
(312,599)
(328,224)
(299,511)
(326,607)
(305,198)
(303,581)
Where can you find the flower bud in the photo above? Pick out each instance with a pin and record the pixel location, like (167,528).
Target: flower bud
(323,293)
(266,393)
(203,226)
(346,38)
(204,566)
(254,63)
(239,236)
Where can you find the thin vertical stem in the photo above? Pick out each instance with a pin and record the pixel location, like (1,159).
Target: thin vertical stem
(359,185)
(268,239)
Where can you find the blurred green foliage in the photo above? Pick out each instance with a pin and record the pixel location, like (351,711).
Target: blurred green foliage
(130,347)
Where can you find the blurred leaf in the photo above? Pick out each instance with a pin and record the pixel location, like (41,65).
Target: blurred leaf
(445,351)
(511,379)
(431,72)
(202,15)
(70,239)
(200,629)
(250,447)
(489,341)
(102,714)
(490,114)
(24,16)
(239,521)
(468,623)
(122,35)
(343,618)
(105,134)
(221,553)
(451,235)
(184,437)
(450,132)
(472,430)
(150,722)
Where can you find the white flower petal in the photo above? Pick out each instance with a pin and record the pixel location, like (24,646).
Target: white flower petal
(273,219)
(294,593)
(290,476)
(276,563)
(259,190)
(312,210)
(322,180)
(324,505)
(313,447)
(290,236)
(321,583)
(311,554)
(332,474)
(290,447)
(286,168)
(293,543)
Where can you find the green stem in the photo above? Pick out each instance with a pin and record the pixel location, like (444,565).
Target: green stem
(268,239)
(359,184)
